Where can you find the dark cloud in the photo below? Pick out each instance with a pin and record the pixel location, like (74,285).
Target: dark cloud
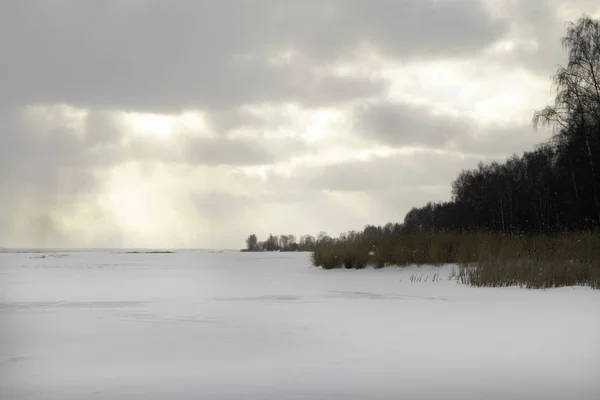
(410,30)
(537,27)
(417,169)
(538,21)
(40,171)
(406,125)
(154,55)
(403,124)
(41,160)
(243,151)
(101,129)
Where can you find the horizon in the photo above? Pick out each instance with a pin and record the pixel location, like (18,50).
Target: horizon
(105,249)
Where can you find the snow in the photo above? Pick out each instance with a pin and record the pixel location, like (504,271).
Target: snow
(234,325)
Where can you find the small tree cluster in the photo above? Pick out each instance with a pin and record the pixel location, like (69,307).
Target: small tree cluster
(281,243)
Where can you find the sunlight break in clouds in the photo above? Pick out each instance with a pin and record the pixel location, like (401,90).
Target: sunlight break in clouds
(291,120)
(160,125)
(164,125)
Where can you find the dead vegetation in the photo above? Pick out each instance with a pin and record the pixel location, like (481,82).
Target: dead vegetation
(541,261)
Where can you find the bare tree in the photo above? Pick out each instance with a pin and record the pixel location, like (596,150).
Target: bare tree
(284,242)
(252,243)
(575,113)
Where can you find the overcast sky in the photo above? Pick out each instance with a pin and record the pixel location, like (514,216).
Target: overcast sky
(195,123)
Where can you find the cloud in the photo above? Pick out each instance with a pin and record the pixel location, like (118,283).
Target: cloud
(408,125)
(536,27)
(409,168)
(399,124)
(153,56)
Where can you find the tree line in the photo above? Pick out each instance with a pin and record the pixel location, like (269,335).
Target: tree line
(553,188)
(281,243)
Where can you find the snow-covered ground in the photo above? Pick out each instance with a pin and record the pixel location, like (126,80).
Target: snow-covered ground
(198,325)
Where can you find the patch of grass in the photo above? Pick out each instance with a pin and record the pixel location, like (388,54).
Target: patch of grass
(485,260)
(531,274)
(338,254)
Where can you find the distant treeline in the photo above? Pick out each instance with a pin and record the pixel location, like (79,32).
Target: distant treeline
(281,243)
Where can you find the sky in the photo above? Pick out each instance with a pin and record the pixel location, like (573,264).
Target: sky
(194,123)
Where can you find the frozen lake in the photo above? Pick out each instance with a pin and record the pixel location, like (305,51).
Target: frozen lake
(268,326)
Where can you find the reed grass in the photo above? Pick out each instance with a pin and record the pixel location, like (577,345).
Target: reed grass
(533,261)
